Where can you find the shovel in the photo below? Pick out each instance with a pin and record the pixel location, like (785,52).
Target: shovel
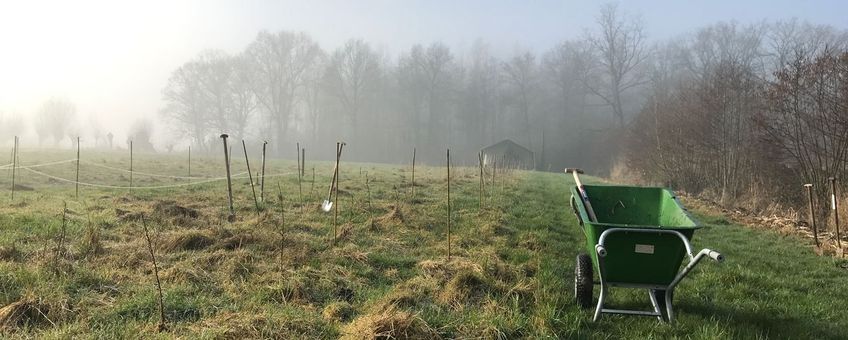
(328,203)
(583,196)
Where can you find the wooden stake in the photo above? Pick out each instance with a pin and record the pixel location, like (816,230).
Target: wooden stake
(303,162)
(413,175)
(299,179)
(336,195)
(480,159)
(14,165)
(161,327)
(370,208)
(312,184)
(282,222)
(834,203)
(250,176)
(449,208)
(131,165)
(78,162)
(812,213)
(232,215)
(262,176)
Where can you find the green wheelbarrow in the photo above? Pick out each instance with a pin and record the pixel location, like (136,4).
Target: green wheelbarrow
(637,240)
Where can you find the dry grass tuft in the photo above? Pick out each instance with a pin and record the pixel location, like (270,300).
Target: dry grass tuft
(465,287)
(172,209)
(389,323)
(192,240)
(338,311)
(29,311)
(10,253)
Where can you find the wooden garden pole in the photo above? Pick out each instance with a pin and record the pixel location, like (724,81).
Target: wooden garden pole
(480,159)
(78,162)
(14,165)
(232,215)
(413,174)
(250,176)
(812,213)
(262,178)
(131,164)
(303,162)
(834,204)
(449,209)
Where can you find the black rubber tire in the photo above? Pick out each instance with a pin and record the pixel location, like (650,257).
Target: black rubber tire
(583,284)
(659,294)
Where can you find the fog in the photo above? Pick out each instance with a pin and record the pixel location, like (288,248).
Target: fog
(385,76)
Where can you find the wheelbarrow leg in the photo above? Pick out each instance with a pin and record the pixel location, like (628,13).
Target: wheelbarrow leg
(668,297)
(600,303)
(655,303)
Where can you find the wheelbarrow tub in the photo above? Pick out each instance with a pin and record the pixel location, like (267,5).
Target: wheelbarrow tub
(635,258)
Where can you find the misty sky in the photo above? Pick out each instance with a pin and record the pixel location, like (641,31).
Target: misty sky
(113,58)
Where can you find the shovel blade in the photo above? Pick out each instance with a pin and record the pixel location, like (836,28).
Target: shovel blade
(326,206)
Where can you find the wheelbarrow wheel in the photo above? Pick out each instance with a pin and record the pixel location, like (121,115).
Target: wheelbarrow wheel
(583,281)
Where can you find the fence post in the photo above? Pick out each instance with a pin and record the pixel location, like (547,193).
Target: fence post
(262,178)
(449,208)
(78,163)
(812,213)
(232,215)
(413,175)
(14,165)
(250,176)
(834,203)
(131,165)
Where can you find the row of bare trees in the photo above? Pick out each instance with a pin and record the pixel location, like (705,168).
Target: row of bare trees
(284,87)
(746,113)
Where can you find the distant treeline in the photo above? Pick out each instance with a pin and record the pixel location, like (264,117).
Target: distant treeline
(731,108)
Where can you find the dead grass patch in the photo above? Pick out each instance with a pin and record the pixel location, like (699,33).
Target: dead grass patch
(390,323)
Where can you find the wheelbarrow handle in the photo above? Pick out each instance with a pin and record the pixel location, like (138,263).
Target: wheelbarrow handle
(718,257)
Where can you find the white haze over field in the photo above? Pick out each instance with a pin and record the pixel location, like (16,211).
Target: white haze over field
(113,58)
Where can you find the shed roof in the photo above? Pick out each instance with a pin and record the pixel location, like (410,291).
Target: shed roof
(506,143)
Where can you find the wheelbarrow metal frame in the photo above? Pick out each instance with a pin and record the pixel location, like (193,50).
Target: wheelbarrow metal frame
(669,289)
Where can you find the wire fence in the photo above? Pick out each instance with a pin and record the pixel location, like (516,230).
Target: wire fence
(199,180)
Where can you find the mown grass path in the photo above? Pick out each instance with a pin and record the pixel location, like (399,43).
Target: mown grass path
(770,286)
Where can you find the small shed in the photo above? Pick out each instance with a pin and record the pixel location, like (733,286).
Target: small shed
(507,153)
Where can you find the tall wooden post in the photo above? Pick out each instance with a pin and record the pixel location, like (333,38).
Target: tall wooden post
(834,204)
(78,162)
(303,162)
(812,213)
(232,215)
(262,178)
(131,165)
(413,174)
(14,165)
(480,160)
(449,208)
(250,176)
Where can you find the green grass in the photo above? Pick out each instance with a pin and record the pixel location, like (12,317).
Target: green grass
(510,276)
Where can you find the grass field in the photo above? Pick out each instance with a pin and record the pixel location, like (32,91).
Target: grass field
(277,274)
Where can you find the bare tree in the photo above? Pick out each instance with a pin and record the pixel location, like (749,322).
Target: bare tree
(185,102)
(352,77)
(279,65)
(620,45)
(55,118)
(521,74)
